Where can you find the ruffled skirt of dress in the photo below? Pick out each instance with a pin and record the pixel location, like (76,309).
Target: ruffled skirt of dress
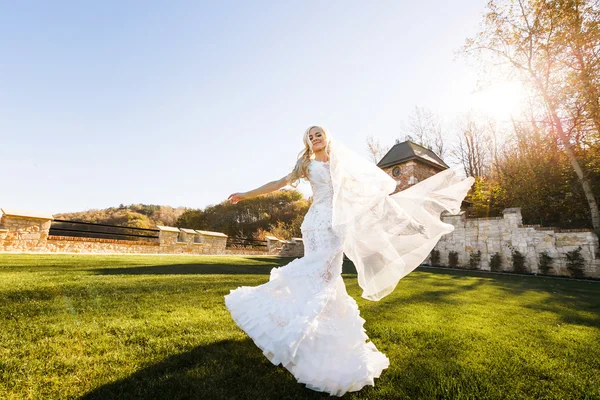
(304,319)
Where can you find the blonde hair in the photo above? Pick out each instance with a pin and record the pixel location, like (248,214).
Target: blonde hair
(305,156)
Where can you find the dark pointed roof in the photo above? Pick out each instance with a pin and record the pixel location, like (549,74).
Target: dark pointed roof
(405,151)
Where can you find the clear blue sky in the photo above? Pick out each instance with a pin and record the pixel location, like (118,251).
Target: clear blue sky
(183,102)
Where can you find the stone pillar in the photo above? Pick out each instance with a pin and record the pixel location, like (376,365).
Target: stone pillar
(24,231)
(213,242)
(273,244)
(299,250)
(167,237)
(186,235)
(285,248)
(513,217)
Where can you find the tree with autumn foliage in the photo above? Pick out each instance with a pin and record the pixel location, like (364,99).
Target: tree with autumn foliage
(279,213)
(552,47)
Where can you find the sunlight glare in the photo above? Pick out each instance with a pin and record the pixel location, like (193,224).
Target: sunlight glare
(500,100)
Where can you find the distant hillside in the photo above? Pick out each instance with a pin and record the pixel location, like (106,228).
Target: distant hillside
(134,215)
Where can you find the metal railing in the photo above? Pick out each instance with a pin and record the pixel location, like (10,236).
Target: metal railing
(62,227)
(243,243)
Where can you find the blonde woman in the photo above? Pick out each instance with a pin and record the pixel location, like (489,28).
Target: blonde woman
(303,318)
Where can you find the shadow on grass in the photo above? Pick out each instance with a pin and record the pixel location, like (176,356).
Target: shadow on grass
(187,269)
(238,370)
(224,370)
(209,269)
(581,311)
(444,293)
(574,302)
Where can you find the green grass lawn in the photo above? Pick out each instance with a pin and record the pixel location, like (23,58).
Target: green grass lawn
(156,327)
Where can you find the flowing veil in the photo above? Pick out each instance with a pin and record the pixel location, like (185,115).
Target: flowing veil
(388,236)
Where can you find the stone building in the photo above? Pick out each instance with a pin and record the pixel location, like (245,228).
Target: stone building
(409,163)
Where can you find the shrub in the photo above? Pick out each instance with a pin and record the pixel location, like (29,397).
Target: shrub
(575,263)
(545,262)
(475,260)
(518,261)
(453,259)
(496,262)
(435,257)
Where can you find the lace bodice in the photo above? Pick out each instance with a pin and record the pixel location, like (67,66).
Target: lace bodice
(317,231)
(320,182)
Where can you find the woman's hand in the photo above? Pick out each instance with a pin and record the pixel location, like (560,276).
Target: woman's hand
(234,198)
(264,189)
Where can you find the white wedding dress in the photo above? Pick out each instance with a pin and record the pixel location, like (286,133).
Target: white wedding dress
(303,318)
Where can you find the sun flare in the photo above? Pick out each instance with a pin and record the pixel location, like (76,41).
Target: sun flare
(500,100)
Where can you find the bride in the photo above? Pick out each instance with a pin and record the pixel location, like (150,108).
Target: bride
(303,318)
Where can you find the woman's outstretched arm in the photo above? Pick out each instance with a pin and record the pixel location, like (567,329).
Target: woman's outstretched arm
(264,189)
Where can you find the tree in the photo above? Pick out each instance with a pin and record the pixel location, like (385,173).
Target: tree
(425,128)
(475,146)
(580,34)
(487,197)
(376,150)
(537,177)
(252,217)
(134,215)
(537,39)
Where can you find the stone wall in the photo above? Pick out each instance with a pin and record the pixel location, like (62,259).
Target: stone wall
(28,232)
(504,234)
(67,244)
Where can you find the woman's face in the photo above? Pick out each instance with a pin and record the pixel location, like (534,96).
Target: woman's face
(317,138)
